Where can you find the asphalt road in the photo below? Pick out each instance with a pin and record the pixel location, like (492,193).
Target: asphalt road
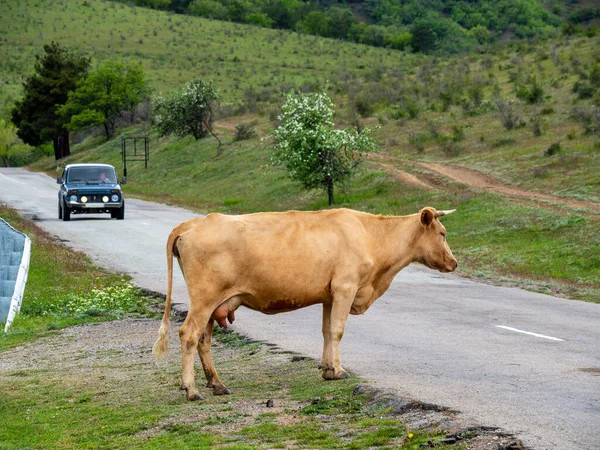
(505,357)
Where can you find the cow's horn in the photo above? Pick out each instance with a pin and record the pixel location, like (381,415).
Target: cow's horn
(444,213)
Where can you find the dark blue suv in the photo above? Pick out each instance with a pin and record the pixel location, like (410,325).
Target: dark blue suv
(90,189)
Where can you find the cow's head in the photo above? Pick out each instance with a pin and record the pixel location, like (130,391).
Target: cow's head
(432,248)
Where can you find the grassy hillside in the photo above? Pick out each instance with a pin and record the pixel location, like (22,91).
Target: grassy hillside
(428,110)
(243,60)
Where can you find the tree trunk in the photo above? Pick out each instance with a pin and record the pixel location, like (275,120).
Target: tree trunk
(66,146)
(61,146)
(209,128)
(57,152)
(329,179)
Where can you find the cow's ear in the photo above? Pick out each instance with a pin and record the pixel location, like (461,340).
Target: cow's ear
(427,216)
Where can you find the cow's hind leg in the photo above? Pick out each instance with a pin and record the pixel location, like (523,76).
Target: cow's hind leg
(335,316)
(204,351)
(189,334)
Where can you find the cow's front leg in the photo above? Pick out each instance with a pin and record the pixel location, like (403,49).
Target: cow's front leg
(189,334)
(204,351)
(335,315)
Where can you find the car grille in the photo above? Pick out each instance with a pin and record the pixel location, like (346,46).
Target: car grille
(95,198)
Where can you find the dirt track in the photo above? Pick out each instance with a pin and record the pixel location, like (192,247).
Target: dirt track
(480,182)
(487,183)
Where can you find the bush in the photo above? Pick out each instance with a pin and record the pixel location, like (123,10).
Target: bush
(584,89)
(458,133)
(417,141)
(409,107)
(449,146)
(245,131)
(536,125)
(531,91)
(547,111)
(554,149)
(364,105)
(589,118)
(509,112)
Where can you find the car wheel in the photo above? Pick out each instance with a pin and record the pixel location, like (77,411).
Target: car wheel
(121,212)
(59,211)
(66,213)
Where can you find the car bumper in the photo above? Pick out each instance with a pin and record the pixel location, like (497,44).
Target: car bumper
(108,205)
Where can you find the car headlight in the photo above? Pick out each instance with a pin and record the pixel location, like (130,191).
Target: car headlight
(105,199)
(114,198)
(73,198)
(84,199)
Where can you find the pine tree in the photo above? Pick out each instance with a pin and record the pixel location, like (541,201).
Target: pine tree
(35,115)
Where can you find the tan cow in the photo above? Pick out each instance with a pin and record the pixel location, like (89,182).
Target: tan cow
(277,262)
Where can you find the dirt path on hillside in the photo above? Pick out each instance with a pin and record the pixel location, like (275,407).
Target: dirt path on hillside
(476,180)
(488,183)
(406,177)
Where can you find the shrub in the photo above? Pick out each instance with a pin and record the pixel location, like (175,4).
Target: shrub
(554,149)
(475,91)
(583,89)
(458,133)
(449,146)
(547,111)
(588,117)
(531,91)
(417,141)
(409,107)
(433,129)
(536,125)
(509,112)
(245,131)
(364,106)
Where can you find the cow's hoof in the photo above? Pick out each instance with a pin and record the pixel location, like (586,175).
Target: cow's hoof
(330,374)
(193,395)
(220,390)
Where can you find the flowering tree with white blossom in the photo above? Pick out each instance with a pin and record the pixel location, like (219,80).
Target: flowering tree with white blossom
(312,150)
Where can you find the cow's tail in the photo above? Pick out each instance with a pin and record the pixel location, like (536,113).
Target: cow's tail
(162,343)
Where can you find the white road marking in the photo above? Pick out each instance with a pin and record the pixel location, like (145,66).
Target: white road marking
(11,179)
(530,333)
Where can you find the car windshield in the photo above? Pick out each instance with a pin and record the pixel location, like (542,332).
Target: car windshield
(92,175)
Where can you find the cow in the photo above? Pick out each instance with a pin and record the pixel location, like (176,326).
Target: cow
(275,262)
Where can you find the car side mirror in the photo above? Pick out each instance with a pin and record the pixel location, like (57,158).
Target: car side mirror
(59,180)
(124,180)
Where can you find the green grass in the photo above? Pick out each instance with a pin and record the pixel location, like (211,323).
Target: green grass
(112,402)
(552,252)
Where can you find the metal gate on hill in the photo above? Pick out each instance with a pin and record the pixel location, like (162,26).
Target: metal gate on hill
(134,148)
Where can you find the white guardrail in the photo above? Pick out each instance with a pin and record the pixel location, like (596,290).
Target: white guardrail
(21,279)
